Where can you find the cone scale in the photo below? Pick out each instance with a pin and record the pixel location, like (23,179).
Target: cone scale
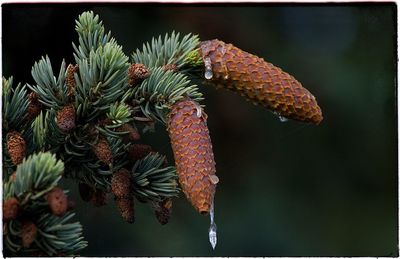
(259,81)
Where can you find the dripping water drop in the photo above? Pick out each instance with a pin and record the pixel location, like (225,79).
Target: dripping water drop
(212,232)
(283,119)
(208,74)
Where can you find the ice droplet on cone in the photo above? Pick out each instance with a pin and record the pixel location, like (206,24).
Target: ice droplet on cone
(283,119)
(212,232)
(208,74)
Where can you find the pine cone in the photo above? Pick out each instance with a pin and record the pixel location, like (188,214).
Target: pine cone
(121,183)
(103,151)
(192,148)
(57,201)
(99,198)
(16,147)
(66,118)
(138,151)
(28,233)
(126,208)
(85,191)
(137,73)
(10,209)
(171,67)
(132,135)
(70,79)
(259,81)
(34,107)
(163,211)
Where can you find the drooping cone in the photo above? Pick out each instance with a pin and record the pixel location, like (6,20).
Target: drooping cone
(122,188)
(259,81)
(192,148)
(16,147)
(70,79)
(10,208)
(103,151)
(28,233)
(58,201)
(34,107)
(66,118)
(163,211)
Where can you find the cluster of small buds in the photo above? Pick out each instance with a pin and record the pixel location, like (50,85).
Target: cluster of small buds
(58,201)
(16,147)
(66,118)
(170,67)
(10,208)
(103,151)
(28,233)
(137,73)
(121,187)
(34,107)
(70,79)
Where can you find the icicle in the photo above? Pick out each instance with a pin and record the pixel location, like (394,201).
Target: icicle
(208,74)
(212,232)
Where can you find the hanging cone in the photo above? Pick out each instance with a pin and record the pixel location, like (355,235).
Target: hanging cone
(122,188)
(126,208)
(28,233)
(192,148)
(132,135)
(10,209)
(138,151)
(34,107)
(103,151)
(259,81)
(57,201)
(137,73)
(163,211)
(70,79)
(66,118)
(16,147)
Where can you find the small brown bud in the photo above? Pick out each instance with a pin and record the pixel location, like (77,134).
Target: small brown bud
(28,233)
(70,79)
(57,201)
(126,208)
(103,151)
(121,183)
(66,118)
(137,73)
(139,151)
(34,107)
(163,211)
(170,67)
(132,135)
(10,208)
(16,147)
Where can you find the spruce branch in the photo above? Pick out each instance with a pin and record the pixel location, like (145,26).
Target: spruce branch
(15,105)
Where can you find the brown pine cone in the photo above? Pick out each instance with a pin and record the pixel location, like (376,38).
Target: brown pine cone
(16,147)
(137,73)
(10,209)
(28,233)
(103,151)
(121,183)
(259,81)
(192,148)
(139,151)
(132,135)
(163,211)
(126,208)
(66,118)
(99,198)
(171,67)
(57,201)
(70,79)
(34,107)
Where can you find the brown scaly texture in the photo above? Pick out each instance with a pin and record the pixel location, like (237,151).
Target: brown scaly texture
(170,67)
(192,148)
(138,151)
(66,118)
(28,233)
(137,73)
(57,201)
(259,81)
(70,80)
(10,208)
(122,188)
(103,151)
(132,135)
(34,107)
(16,147)
(163,211)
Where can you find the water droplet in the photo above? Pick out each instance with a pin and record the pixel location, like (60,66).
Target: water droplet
(283,119)
(208,74)
(212,232)
(198,111)
(214,179)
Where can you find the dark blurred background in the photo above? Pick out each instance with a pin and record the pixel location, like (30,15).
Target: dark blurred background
(286,189)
